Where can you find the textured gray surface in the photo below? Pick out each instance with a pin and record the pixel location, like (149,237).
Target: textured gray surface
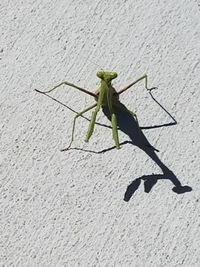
(67,209)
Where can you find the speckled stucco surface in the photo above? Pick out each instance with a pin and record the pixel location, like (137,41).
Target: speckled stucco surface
(130,207)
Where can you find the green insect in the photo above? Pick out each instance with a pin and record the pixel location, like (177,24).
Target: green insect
(106,96)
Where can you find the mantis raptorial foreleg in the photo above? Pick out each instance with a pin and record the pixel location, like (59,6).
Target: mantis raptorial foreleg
(69,84)
(91,125)
(115,130)
(94,114)
(133,83)
(101,95)
(73,128)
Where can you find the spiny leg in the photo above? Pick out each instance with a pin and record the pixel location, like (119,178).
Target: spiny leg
(69,84)
(73,129)
(138,80)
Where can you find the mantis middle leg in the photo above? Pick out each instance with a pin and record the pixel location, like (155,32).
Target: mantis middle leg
(69,84)
(144,77)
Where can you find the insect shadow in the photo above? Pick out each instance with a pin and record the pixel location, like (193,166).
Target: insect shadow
(129,125)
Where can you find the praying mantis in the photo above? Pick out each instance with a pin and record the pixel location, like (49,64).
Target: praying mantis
(106,96)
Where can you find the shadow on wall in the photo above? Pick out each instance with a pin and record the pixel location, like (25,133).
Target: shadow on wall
(129,125)
(151,180)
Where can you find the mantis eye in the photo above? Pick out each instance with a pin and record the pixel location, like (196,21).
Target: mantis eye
(114,75)
(100,74)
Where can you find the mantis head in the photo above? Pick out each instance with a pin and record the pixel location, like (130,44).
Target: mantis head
(106,76)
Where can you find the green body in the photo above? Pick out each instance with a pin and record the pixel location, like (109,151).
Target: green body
(105,96)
